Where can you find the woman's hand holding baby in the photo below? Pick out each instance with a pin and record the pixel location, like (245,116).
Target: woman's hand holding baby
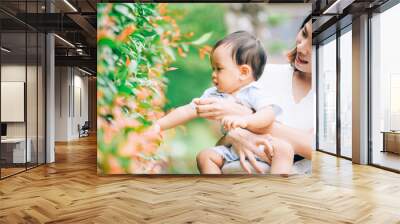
(267,145)
(244,143)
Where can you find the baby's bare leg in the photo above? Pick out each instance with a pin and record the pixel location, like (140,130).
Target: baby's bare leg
(209,162)
(282,160)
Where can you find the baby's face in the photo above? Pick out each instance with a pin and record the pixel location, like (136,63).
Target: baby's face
(226,72)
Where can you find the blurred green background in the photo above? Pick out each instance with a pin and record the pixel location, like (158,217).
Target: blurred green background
(194,74)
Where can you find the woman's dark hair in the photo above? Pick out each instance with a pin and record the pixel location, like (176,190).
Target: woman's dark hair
(293,53)
(246,49)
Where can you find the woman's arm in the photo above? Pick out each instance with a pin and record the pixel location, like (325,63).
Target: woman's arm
(246,143)
(300,140)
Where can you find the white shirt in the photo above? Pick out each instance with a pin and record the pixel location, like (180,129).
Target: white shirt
(277,81)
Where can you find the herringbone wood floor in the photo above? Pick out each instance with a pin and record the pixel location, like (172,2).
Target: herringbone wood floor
(70,191)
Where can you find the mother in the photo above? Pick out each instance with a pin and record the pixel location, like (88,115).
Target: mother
(292,85)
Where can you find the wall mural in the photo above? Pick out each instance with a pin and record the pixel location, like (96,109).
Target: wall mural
(204,88)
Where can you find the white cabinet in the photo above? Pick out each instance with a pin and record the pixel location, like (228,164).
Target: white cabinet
(17,147)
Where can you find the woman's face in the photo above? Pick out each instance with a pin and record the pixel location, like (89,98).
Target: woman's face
(304,49)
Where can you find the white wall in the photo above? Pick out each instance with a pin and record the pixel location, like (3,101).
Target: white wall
(70,83)
(80,85)
(61,103)
(33,126)
(12,73)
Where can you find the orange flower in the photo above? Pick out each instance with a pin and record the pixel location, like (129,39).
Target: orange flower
(206,50)
(143,93)
(115,167)
(146,142)
(100,94)
(130,148)
(119,101)
(181,53)
(102,110)
(157,101)
(188,35)
(151,116)
(162,8)
(126,32)
(133,123)
(141,111)
(176,38)
(167,18)
(109,132)
(101,34)
(165,41)
(159,114)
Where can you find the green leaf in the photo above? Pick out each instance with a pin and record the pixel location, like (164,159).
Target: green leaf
(170,52)
(145,105)
(185,47)
(202,39)
(125,90)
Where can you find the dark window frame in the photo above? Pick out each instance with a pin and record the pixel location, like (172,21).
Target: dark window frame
(333,37)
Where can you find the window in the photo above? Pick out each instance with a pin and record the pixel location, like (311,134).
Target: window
(395,102)
(327,96)
(385,89)
(346,93)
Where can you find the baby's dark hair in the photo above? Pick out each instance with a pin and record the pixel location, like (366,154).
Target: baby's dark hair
(246,49)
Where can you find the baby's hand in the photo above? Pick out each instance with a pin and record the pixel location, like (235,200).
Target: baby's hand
(196,100)
(154,132)
(232,122)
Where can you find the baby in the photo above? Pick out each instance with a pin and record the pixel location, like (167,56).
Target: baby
(238,62)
